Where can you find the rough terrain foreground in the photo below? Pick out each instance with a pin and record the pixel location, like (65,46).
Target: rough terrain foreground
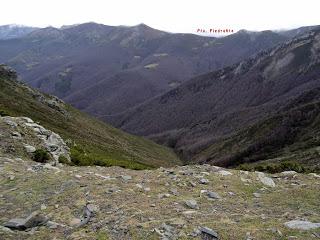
(157,204)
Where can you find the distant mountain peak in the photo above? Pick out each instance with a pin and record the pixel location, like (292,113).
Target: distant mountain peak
(48,32)
(69,26)
(10,31)
(142,25)
(247,32)
(14,25)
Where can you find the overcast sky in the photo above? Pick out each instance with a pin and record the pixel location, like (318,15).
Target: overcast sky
(168,15)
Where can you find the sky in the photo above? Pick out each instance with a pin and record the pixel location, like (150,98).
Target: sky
(186,16)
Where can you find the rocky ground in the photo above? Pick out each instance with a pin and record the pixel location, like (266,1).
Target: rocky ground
(186,202)
(56,201)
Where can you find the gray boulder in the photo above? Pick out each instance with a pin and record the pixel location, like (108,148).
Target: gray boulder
(203,181)
(16,135)
(174,191)
(8,121)
(257,195)
(266,180)
(213,195)
(126,177)
(29,149)
(192,204)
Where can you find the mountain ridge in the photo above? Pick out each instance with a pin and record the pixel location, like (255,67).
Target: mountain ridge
(211,106)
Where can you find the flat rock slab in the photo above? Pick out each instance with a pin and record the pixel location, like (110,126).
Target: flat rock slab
(209,233)
(302,225)
(224,173)
(33,220)
(288,173)
(17,224)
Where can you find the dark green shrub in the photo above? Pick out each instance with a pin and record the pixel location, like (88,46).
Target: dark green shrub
(41,156)
(245,167)
(3,113)
(292,166)
(75,160)
(63,159)
(278,167)
(260,168)
(80,158)
(101,163)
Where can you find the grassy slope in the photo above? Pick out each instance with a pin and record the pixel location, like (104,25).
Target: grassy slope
(93,139)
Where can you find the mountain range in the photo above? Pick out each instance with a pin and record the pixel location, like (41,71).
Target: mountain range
(265,108)
(199,95)
(105,70)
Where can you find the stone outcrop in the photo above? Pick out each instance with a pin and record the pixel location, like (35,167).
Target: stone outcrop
(29,136)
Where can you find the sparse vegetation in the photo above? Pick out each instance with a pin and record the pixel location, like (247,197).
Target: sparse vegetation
(138,207)
(278,167)
(81,157)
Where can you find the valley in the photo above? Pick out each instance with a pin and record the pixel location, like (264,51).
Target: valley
(129,132)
